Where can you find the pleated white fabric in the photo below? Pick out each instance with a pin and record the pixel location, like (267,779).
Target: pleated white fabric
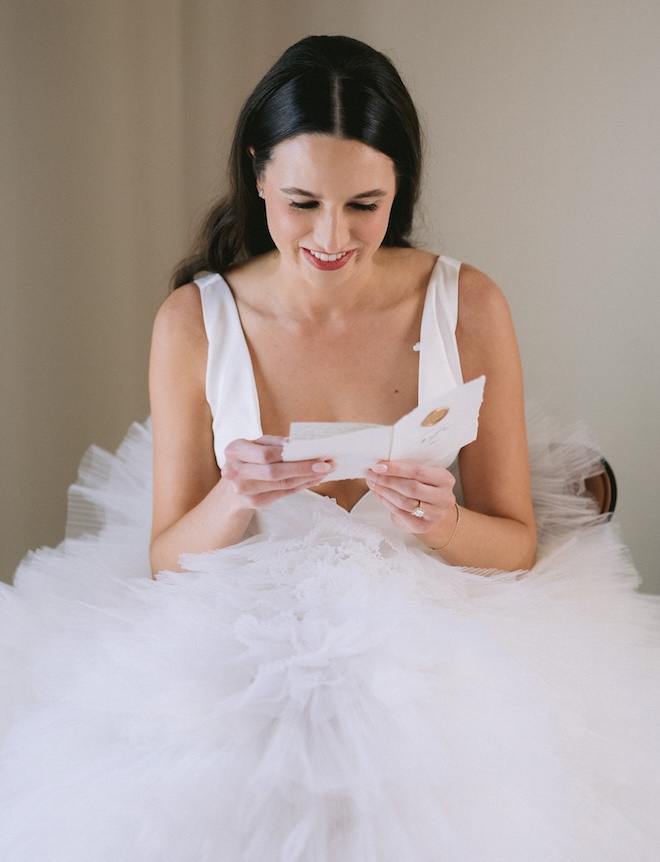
(325,692)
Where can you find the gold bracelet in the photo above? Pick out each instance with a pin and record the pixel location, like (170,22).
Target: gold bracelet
(453,532)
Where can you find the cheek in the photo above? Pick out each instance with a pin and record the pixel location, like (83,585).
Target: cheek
(284,222)
(378,226)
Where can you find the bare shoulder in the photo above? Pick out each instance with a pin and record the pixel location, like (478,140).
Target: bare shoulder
(480,300)
(179,346)
(485,328)
(180,316)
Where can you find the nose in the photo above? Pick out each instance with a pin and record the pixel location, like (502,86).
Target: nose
(332,231)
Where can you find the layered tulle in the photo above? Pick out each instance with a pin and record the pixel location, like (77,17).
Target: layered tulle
(323,692)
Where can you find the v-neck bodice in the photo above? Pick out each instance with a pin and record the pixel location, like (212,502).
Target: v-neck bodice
(231,388)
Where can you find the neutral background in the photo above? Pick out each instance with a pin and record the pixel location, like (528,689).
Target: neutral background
(543,138)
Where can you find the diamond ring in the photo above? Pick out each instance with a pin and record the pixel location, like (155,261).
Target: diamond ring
(418,512)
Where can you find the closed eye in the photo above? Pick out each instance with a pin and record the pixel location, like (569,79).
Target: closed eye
(310,205)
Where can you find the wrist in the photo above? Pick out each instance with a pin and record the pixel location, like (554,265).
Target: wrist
(435,544)
(230,501)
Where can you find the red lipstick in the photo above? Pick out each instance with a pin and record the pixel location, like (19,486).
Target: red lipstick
(328,265)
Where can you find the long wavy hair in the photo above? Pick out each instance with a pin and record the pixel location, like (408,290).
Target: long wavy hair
(329,85)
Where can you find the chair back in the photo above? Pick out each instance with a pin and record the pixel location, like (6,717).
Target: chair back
(602,487)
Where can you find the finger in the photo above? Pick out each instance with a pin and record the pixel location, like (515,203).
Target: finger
(404,520)
(268,450)
(433,485)
(248,477)
(405,505)
(425,473)
(265,450)
(260,497)
(407,494)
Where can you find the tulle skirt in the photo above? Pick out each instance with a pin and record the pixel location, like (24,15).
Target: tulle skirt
(324,692)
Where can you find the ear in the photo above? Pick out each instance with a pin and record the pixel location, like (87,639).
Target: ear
(250,152)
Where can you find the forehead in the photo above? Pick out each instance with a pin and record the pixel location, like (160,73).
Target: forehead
(306,160)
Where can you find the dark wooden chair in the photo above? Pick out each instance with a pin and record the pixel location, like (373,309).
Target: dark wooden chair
(602,487)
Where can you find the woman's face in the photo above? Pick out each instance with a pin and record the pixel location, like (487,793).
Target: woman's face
(328,203)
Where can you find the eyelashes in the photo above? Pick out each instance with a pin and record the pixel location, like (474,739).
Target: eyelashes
(364,207)
(310,205)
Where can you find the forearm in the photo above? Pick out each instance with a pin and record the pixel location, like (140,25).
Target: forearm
(483,541)
(218,521)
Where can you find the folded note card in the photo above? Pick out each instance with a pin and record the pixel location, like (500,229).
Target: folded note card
(430,434)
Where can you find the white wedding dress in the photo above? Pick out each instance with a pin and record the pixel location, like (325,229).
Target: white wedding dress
(327,690)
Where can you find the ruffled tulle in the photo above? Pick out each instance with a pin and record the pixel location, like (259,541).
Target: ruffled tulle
(324,692)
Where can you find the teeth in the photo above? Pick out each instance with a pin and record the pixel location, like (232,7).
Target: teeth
(327,257)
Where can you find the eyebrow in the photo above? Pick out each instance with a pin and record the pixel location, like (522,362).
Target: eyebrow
(373,193)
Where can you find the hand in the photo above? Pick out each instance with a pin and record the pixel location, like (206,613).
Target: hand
(257,474)
(404,488)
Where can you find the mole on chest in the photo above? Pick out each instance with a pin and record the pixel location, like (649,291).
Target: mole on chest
(349,379)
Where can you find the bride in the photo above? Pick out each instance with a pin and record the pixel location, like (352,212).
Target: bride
(375,668)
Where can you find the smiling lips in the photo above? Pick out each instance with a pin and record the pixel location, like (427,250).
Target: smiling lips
(328,262)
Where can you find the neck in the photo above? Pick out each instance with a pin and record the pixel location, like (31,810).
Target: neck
(323,295)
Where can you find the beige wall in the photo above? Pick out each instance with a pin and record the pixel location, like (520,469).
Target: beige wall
(543,133)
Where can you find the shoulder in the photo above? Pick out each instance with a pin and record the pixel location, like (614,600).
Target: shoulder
(179,346)
(484,331)
(480,300)
(482,306)
(180,317)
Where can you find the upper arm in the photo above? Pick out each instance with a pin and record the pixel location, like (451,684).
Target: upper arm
(185,469)
(495,468)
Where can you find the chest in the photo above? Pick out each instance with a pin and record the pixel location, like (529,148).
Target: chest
(361,370)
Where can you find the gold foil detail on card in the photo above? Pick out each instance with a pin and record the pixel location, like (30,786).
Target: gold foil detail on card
(435,416)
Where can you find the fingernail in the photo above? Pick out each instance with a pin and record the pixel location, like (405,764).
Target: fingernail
(322,467)
(379,468)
